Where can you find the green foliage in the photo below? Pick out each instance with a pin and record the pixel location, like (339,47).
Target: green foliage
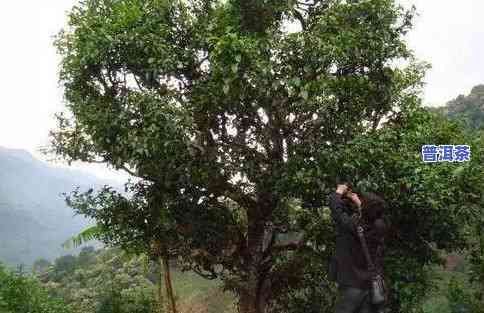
(437,298)
(86,257)
(65,264)
(24,294)
(133,223)
(86,235)
(475,226)
(110,281)
(40,265)
(102,282)
(426,211)
(452,292)
(469,112)
(459,299)
(467,109)
(232,125)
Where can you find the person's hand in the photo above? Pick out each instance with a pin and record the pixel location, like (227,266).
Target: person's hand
(342,189)
(354,197)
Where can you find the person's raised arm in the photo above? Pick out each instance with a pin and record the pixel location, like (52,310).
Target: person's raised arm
(336,204)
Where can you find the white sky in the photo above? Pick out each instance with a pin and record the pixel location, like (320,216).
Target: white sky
(448,34)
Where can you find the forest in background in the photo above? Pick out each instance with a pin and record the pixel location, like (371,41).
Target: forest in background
(469,109)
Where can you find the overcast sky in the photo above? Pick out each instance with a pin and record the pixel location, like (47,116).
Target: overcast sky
(447,34)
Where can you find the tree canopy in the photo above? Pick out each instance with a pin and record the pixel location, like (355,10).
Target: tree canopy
(233,112)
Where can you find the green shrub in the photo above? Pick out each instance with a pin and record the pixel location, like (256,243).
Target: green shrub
(463,297)
(24,294)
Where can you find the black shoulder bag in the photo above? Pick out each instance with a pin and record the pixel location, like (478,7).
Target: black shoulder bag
(378,289)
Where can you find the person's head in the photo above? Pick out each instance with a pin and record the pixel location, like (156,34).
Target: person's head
(343,179)
(372,206)
(349,204)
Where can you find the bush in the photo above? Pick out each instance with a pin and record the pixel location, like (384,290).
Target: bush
(463,297)
(24,294)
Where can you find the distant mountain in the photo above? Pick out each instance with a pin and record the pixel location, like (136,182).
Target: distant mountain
(469,109)
(34,219)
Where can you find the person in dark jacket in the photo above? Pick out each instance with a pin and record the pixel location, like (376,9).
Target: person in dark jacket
(348,266)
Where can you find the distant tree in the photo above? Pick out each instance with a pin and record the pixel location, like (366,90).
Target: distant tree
(140,224)
(41,265)
(65,264)
(468,109)
(86,256)
(229,118)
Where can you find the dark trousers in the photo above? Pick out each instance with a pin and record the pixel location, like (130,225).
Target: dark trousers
(354,300)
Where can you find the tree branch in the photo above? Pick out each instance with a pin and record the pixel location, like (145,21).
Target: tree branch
(300,18)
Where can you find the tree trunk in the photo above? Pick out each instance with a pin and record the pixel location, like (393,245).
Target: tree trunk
(251,299)
(250,296)
(160,288)
(168,285)
(248,302)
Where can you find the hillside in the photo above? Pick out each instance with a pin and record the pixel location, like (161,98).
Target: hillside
(34,219)
(85,284)
(469,109)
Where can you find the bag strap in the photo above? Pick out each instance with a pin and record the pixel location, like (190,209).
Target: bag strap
(371,265)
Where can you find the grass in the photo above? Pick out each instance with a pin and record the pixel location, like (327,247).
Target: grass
(198,295)
(195,294)
(437,301)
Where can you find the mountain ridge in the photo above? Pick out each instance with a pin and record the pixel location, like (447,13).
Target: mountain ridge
(467,108)
(34,218)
